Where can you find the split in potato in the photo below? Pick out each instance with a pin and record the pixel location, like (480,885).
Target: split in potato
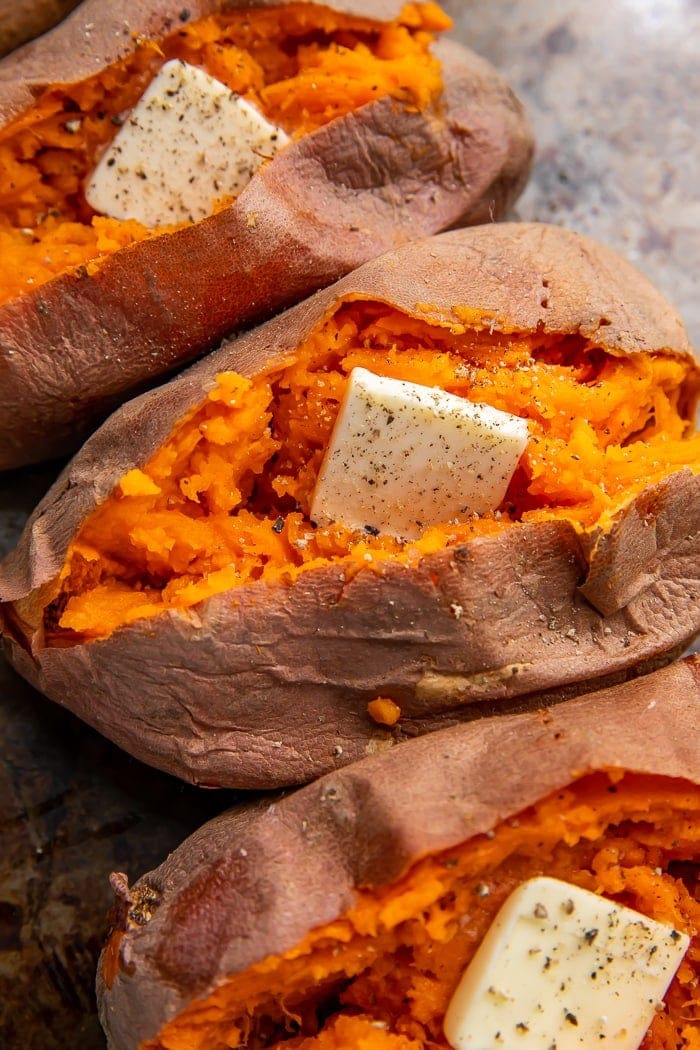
(300,64)
(389,135)
(345,914)
(226,500)
(179,544)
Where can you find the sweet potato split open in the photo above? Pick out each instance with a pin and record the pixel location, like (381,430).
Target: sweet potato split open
(226,500)
(302,64)
(382,975)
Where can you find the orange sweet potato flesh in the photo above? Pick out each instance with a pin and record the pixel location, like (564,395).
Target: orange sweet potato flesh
(226,500)
(300,64)
(177,541)
(92,308)
(396,957)
(345,914)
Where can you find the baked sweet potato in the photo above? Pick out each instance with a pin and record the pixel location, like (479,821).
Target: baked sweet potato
(389,141)
(172,590)
(344,914)
(28,18)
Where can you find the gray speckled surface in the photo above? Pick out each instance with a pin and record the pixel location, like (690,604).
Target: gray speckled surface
(613,89)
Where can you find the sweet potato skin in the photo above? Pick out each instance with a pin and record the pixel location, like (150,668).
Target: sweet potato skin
(256,880)
(75,347)
(20,22)
(267,685)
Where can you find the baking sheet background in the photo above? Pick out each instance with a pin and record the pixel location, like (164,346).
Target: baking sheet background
(613,89)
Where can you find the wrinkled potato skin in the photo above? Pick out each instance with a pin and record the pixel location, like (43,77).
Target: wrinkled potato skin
(254,881)
(76,347)
(22,20)
(267,685)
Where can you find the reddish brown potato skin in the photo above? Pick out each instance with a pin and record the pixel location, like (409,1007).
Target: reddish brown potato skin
(256,880)
(21,20)
(268,685)
(80,345)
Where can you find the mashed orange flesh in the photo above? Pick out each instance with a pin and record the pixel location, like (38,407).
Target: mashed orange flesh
(301,63)
(382,975)
(225,501)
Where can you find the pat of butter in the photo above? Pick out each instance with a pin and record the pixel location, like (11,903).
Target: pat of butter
(403,457)
(562,967)
(188,142)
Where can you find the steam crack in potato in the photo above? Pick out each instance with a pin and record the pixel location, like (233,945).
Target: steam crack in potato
(93,309)
(202,515)
(345,914)
(180,538)
(382,974)
(302,65)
